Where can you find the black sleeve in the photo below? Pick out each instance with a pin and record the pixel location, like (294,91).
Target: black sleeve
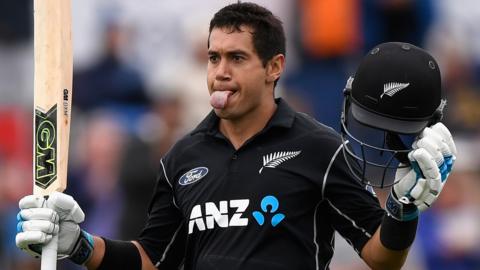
(354,209)
(163,237)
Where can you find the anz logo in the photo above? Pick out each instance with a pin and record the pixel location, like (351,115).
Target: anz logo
(269,204)
(212,215)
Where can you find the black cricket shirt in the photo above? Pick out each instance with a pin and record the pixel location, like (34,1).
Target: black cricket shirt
(272,204)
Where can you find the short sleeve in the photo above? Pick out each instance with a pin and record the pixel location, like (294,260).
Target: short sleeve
(354,209)
(163,237)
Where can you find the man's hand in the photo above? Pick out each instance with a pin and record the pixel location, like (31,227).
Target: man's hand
(432,159)
(40,219)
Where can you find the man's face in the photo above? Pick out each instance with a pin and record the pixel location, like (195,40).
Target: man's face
(235,66)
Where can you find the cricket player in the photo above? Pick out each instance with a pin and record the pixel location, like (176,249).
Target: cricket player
(259,186)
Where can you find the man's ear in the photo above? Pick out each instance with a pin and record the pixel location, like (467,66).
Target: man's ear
(275,68)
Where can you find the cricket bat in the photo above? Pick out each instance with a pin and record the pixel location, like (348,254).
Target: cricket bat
(53,71)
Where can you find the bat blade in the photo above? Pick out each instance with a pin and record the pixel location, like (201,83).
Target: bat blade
(52,94)
(52,104)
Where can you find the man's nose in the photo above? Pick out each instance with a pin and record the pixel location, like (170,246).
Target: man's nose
(223,71)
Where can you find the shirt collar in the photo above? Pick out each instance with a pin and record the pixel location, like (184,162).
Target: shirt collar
(283,117)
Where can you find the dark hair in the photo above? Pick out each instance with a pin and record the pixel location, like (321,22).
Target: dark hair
(268,36)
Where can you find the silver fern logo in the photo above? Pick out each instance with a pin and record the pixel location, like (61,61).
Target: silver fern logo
(392,88)
(272,160)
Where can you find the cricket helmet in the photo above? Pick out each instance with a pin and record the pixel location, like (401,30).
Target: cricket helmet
(396,92)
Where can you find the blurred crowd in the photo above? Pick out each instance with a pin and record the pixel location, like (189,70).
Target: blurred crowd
(140,84)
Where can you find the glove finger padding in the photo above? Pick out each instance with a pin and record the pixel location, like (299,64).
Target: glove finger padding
(38,225)
(446,136)
(420,181)
(429,144)
(32,201)
(419,189)
(408,181)
(450,157)
(426,163)
(428,188)
(38,214)
(23,239)
(31,241)
(436,138)
(66,207)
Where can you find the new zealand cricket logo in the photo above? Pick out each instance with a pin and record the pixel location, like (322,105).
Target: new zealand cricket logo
(45,147)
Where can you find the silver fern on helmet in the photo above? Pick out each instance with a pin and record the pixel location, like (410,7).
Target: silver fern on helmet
(392,88)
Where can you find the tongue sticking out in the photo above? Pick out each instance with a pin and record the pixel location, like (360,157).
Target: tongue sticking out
(219,99)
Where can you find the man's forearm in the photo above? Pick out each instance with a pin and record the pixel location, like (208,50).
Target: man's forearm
(377,256)
(98,253)
(146,262)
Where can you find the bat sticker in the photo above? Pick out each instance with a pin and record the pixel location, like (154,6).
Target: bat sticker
(45,147)
(65,102)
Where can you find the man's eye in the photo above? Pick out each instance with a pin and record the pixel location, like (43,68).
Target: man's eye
(237,58)
(213,58)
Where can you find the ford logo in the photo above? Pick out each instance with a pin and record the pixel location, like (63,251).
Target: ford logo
(193,176)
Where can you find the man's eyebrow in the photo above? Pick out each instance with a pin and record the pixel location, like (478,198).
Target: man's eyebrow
(237,52)
(233,52)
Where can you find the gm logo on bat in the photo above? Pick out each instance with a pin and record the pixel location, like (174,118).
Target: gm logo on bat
(211,215)
(45,147)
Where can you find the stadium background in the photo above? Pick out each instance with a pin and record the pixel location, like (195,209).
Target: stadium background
(139,84)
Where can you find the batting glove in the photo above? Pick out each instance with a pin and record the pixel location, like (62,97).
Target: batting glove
(432,160)
(40,219)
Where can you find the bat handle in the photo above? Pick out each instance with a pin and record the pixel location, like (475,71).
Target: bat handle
(49,254)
